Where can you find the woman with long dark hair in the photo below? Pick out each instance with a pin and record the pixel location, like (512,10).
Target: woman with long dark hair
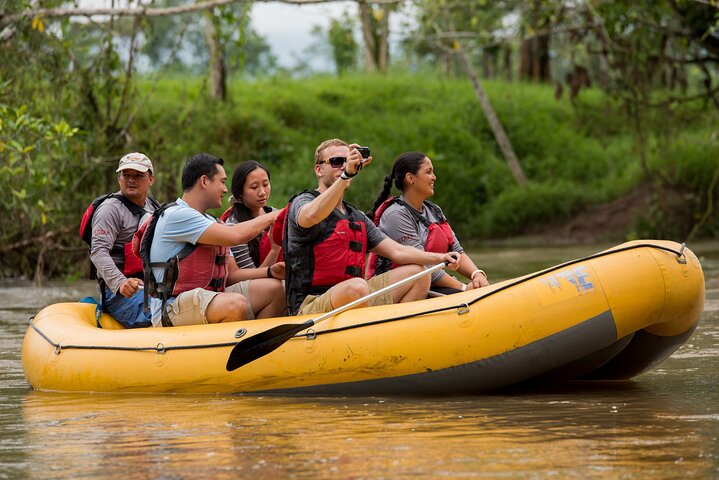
(257,259)
(411,219)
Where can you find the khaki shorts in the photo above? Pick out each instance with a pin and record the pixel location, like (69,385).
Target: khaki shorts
(314,304)
(190,308)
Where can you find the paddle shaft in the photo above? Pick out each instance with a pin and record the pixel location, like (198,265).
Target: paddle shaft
(379,292)
(265,342)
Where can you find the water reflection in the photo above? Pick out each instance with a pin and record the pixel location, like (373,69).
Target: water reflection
(664,424)
(598,429)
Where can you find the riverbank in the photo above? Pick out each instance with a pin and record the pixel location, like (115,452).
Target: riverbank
(586,166)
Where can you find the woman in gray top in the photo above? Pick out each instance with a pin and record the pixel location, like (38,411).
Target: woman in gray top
(411,219)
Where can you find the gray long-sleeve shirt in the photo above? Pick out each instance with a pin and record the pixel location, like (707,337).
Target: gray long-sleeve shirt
(113,225)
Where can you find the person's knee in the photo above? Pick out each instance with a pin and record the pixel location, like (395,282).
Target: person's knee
(228,307)
(277,290)
(237,308)
(278,302)
(416,289)
(406,271)
(355,288)
(424,281)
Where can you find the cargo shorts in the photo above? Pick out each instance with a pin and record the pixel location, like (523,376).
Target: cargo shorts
(314,304)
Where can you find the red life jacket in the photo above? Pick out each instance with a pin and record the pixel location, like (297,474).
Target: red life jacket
(439,240)
(314,265)
(130,265)
(265,246)
(195,266)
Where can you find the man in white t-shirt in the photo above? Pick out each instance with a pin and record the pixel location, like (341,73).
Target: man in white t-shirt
(205,289)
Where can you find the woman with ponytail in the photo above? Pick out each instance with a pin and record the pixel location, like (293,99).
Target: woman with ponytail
(411,219)
(260,272)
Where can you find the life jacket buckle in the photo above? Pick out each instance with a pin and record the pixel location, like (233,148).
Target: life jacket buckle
(353,271)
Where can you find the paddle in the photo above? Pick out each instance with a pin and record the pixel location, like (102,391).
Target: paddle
(263,343)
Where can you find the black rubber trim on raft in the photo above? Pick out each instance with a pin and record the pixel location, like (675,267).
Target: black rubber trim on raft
(160,348)
(595,334)
(645,351)
(472,302)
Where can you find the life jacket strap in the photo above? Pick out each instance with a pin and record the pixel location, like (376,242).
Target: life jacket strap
(353,271)
(217,284)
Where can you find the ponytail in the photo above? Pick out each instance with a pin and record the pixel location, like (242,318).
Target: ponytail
(408,162)
(382,196)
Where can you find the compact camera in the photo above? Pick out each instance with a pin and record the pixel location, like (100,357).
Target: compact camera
(364,151)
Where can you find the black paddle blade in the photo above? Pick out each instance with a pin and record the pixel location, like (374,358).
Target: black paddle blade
(263,343)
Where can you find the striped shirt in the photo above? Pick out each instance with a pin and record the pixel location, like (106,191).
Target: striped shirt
(241,252)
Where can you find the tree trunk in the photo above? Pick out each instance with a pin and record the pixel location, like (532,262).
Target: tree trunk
(375,34)
(217,71)
(505,145)
(534,50)
(507,61)
(370,47)
(383,47)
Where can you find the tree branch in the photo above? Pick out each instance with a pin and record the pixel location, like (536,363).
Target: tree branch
(42,238)
(149,12)
(711,3)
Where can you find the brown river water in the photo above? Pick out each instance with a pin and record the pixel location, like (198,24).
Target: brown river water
(662,424)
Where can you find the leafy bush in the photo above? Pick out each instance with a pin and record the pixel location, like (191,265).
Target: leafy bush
(574,155)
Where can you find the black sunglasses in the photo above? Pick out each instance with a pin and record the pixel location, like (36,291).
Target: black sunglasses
(335,162)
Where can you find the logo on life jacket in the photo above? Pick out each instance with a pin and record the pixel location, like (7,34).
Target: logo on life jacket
(131,265)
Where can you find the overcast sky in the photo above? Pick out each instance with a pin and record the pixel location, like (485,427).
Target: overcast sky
(287,28)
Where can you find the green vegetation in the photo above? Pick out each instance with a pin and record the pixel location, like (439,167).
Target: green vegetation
(635,123)
(574,155)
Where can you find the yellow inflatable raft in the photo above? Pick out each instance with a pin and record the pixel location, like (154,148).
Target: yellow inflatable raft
(608,316)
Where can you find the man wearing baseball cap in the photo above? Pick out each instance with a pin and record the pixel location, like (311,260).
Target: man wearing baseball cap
(114,221)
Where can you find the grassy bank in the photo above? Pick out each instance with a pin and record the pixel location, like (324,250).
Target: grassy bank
(575,156)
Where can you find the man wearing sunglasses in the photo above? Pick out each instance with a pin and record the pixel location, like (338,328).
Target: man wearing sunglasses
(327,239)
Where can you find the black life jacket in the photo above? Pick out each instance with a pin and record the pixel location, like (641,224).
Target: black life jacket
(313,266)
(195,266)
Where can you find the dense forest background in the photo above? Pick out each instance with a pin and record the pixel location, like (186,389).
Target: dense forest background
(535,113)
